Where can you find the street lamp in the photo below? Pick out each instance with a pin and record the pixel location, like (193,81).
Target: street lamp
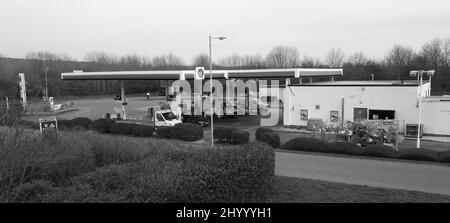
(211,93)
(46,84)
(419,74)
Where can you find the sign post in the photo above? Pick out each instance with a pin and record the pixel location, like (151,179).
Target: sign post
(23,91)
(47,123)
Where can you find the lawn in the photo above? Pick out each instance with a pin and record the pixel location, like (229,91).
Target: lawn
(293,190)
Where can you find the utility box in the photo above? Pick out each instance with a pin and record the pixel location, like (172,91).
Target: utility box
(411,130)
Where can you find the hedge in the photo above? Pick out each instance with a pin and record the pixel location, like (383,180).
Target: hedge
(418,154)
(270,138)
(343,147)
(241,173)
(102,125)
(85,123)
(444,156)
(306,144)
(223,134)
(231,135)
(380,151)
(240,136)
(260,131)
(143,130)
(164,132)
(122,129)
(183,131)
(187,132)
(349,148)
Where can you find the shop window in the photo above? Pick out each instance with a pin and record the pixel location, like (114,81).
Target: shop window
(381,114)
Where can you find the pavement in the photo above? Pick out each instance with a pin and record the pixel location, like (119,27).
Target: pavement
(431,178)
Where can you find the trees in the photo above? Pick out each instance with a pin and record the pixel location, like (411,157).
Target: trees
(400,59)
(247,61)
(283,57)
(432,53)
(335,58)
(101,57)
(446,52)
(167,61)
(201,60)
(357,59)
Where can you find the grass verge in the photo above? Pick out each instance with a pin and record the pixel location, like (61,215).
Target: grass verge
(294,190)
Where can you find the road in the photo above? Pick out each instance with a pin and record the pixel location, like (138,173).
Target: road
(377,173)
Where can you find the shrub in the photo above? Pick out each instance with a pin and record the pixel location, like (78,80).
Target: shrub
(260,131)
(85,123)
(223,134)
(270,138)
(306,144)
(143,130)
(122,129)
(187,132)
(50,135)
(164,132)
(60,170)
(35,191)
(444,156)
(113,151)
(418,154)
(242,173)
(239,136)
(184,131)
(343,147)
(28,124)
(64,124)
(380,151)
(102,125)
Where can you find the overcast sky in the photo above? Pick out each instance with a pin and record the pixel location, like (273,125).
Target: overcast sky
(152,28)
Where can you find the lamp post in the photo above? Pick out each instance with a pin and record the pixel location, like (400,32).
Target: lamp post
(419,74)
(46,84)
(210,90)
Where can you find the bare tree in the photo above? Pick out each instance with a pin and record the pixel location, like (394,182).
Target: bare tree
(400,56)
(446,52)
(432,53)
(232,61)
(167,61)
(201,60)
(308,61)
(283,57)
(131,60)
(254,61)
(248,61)
(101,57)
(357,59)
(335,58)
(43,55)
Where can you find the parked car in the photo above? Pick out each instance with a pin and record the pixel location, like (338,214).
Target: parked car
(195,119)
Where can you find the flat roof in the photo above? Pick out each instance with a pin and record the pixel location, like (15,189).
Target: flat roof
(189,74)
(362,83)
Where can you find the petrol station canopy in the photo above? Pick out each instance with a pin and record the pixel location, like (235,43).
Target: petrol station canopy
(190,74)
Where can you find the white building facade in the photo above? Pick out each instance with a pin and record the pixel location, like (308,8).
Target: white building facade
(335,103)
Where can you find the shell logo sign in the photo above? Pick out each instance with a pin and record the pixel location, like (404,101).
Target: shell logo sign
(199,73)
